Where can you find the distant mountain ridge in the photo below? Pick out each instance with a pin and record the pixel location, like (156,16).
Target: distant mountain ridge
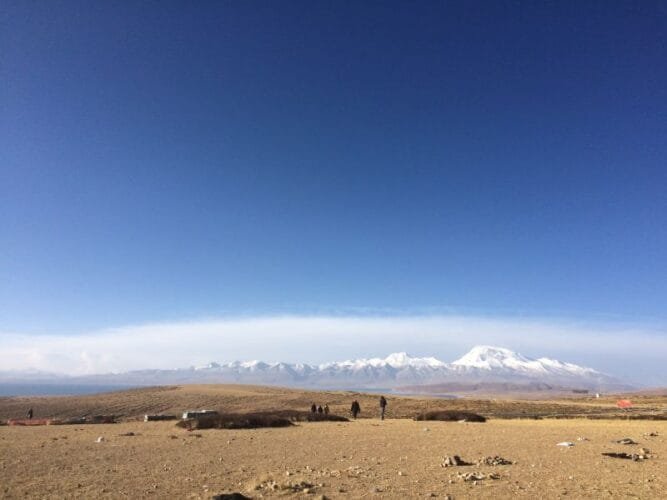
(486,365)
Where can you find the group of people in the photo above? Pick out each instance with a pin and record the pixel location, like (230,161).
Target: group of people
(356,408)
(318,409)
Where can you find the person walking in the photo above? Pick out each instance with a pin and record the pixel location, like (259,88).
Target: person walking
(383,407)
(326,409)
(30,414)
(313,408)
(355,409)
(320,410)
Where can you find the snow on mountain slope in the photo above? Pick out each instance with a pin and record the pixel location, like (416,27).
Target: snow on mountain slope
(503,360)
(487,357)
(397,360)
(482,364)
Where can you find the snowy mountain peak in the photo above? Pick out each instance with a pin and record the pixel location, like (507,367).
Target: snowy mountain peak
(489,357)
(499,359)
(402,360)
(397,360)
(482,364)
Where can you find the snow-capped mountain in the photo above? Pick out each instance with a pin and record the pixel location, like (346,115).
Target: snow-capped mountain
(482,365)
(496,364)
(500,360)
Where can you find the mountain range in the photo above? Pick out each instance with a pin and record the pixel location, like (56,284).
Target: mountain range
(482,366)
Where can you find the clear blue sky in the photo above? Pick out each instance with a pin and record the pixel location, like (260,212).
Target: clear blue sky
(171,160)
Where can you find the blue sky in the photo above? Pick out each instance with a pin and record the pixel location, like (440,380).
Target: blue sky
(163,162)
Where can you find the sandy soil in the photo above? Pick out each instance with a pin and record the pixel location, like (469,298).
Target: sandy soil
(239,398)
(364,458)
(369,458)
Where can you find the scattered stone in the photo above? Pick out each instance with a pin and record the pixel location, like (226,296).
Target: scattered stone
(476,476)
(355,471)
(401,473)
(566,444)
(582,439)
(128,434)
(651,434)
(643,454)
(625,441)
(453,461)
(614,454)
(266,485)
(494,461)
(230,496)
(100,439)
(292,487)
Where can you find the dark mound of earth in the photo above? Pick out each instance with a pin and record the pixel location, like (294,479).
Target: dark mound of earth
(284,418)
(451,416)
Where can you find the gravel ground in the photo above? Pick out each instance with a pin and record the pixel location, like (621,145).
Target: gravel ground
(368,458)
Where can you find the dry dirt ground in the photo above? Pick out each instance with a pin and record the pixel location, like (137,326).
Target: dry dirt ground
(365,458)
(241,398)
(369,458)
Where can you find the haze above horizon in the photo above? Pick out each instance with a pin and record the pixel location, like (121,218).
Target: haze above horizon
(501,161)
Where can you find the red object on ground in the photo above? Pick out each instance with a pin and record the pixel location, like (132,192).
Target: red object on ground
(624,403)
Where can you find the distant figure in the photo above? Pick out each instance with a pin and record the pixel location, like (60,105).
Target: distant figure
(319,409)
(355,409)
(326,409)
(383,407)
(313,408)
(30,414)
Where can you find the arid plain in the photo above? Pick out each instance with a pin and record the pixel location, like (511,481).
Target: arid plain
(366,458)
